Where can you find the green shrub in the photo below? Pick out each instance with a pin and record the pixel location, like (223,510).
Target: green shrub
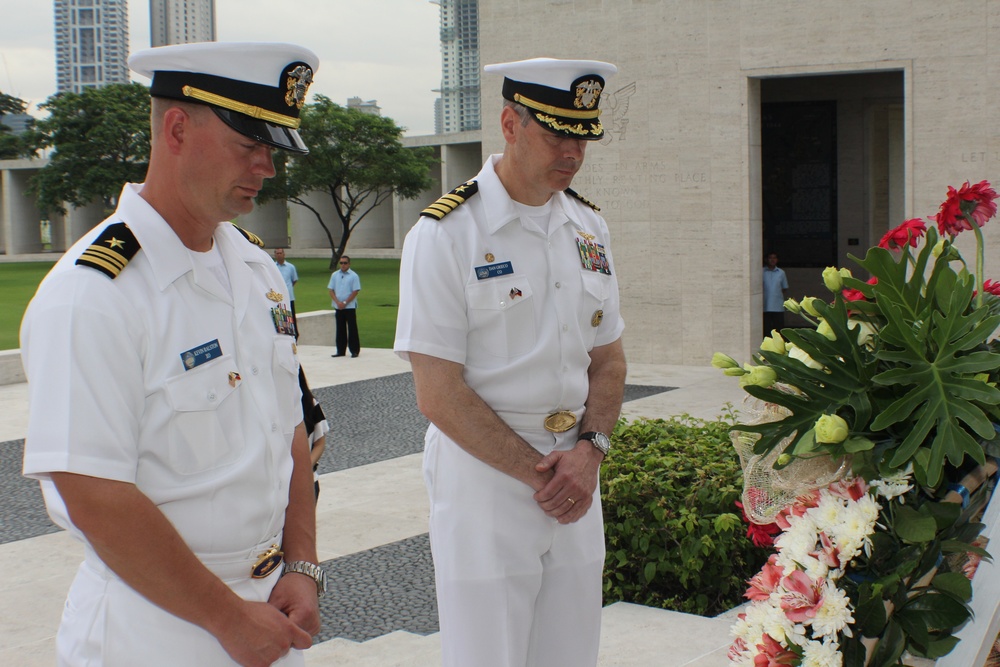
(674,535)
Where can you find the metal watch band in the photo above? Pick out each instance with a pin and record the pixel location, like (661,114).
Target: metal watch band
(311,570)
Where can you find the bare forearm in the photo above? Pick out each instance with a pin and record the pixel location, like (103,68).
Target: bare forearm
(445,399)
(299,541)
(607,388)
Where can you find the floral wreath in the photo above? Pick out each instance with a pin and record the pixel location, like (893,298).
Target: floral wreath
(869,453)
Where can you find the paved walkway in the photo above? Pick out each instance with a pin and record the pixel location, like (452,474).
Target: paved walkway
(372,523)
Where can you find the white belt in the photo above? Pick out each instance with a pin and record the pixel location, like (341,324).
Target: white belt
(523,421)
(226,566)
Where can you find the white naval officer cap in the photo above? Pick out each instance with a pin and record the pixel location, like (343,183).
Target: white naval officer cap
(562,95)
(257,88)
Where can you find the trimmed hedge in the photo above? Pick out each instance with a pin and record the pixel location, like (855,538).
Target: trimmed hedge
(674,537)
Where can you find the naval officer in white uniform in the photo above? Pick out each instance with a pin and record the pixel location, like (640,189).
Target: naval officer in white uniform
(509,315)
(165,417)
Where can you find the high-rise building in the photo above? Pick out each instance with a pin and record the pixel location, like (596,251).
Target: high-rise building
(458,107)
(91,43)
(181,21)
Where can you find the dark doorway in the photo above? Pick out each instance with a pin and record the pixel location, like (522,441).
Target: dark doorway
(799,181)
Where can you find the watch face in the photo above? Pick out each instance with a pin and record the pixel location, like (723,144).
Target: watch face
(603,442)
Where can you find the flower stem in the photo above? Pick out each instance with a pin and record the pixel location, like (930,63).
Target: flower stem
(979,259)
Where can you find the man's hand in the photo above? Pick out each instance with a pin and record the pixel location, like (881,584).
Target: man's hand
(258,634)
(295,595)
(570,492)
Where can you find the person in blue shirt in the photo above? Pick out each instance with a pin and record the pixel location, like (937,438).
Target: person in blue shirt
(344,287)
(775,284)
(291,276)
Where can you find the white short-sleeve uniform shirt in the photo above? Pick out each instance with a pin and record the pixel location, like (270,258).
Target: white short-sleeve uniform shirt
(520,307)
(161,378)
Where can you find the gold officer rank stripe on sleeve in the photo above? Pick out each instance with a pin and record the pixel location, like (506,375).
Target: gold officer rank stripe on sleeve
(250,236)
(574,193)
(111,250)
(451,201)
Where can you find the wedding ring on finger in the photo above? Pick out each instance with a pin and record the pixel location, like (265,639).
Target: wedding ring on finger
(571,501)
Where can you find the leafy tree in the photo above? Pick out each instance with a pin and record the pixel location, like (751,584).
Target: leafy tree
(100,139)
(12,145)
(354,157)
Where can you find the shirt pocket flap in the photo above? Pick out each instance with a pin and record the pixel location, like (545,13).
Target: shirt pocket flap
(499,293)
(203,387)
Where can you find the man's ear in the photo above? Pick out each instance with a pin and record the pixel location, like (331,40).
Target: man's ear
(176,123)
(509,118)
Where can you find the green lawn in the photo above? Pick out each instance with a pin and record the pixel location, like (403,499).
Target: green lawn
(377,302)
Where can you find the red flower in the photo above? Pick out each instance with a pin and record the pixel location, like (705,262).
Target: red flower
(975,201)
(858,295)
(759,534)
(906,234)
(990,287)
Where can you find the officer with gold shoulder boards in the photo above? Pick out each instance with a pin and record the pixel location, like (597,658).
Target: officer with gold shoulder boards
(162,349)
(509,316)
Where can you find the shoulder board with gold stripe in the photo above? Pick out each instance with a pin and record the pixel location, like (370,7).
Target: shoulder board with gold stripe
(250,236)
(111,250)
(451,201)
(574,193)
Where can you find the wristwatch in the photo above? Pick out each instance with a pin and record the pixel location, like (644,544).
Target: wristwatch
(311,570)
(599,440)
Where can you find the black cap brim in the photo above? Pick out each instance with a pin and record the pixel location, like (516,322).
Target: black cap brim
(278,136)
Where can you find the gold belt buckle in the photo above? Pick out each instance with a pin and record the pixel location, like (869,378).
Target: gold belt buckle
(267,562)
(560,422)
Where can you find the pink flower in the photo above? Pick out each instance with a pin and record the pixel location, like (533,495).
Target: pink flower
(829,554)
(855,490)
(738,648)
(804,597)
(773,654)
(798,508)
(976,201)
(906,234)
(766,581)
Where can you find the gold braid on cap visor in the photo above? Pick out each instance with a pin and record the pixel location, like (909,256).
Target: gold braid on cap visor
(556,111)
(240,107)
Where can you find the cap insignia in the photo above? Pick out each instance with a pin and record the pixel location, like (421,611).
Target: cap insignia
(298,83)
(588,93)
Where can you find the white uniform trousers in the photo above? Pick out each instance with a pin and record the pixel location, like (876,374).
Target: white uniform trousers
(515,588)
(108,624)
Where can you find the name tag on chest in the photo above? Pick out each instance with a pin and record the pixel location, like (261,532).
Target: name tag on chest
(494,270)
(199,355)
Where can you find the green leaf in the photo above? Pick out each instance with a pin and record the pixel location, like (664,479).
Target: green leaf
(939,611)
(941,647)
(649,572)
(890,647)
(870,615)
(914,527)
(913,624)
(856,444)
(955,583)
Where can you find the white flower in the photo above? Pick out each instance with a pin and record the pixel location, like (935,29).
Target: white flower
(896,484)
(826,654)
(854,531)
(828,513)
(798,541)
(834,614)
(796,352)
(764,617)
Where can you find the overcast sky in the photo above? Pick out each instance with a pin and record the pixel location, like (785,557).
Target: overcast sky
(386,50)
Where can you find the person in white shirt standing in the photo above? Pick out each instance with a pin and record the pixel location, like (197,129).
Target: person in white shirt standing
(165,419)
(344,287)
(509,316)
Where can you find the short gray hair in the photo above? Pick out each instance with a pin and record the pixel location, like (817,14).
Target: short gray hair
(522,111)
